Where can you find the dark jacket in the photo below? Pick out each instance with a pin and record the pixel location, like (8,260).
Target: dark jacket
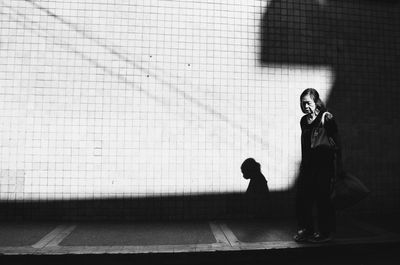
(309,154)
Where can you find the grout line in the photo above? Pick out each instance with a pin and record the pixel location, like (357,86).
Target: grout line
(218,233)
(50,236)
(54,237)
(61,236)
(233,240)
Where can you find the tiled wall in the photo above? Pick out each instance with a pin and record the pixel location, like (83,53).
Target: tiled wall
(148,108)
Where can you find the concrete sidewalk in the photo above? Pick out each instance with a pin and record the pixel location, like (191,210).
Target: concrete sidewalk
(30,239)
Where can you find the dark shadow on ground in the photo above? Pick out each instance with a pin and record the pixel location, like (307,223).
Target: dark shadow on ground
(188,207)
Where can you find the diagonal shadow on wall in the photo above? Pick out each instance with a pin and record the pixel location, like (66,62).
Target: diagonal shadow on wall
(359,40)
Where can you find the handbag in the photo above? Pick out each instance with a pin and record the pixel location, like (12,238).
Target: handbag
(320,137)
(347,191)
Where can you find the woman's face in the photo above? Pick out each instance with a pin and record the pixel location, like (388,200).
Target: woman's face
(308,104)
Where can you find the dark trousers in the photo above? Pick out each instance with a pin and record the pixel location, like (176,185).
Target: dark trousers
(313,192)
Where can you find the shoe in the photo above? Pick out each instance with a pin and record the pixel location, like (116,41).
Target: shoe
(320,238)
(302,235)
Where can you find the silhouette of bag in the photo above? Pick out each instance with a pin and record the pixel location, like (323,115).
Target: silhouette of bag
(347,191)
(320,137)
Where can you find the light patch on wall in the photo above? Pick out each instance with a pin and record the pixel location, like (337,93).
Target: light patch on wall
(165,98)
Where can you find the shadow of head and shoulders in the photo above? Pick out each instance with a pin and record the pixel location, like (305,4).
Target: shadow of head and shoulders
(258,185)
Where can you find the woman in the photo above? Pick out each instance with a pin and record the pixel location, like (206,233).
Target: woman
(317,171)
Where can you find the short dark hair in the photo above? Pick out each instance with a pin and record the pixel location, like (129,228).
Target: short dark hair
(314,95)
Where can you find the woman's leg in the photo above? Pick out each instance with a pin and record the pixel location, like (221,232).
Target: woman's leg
(326,219)
(325,214)
(304,205)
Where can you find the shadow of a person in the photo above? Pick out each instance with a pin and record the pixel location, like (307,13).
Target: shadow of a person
(257,193)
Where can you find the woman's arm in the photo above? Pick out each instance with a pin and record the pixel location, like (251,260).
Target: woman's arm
(333,132)
(338,160)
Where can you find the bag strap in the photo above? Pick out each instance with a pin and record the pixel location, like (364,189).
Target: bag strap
(323,118)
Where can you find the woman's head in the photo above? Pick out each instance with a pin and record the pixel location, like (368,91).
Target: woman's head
(310,101)
(250,168)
